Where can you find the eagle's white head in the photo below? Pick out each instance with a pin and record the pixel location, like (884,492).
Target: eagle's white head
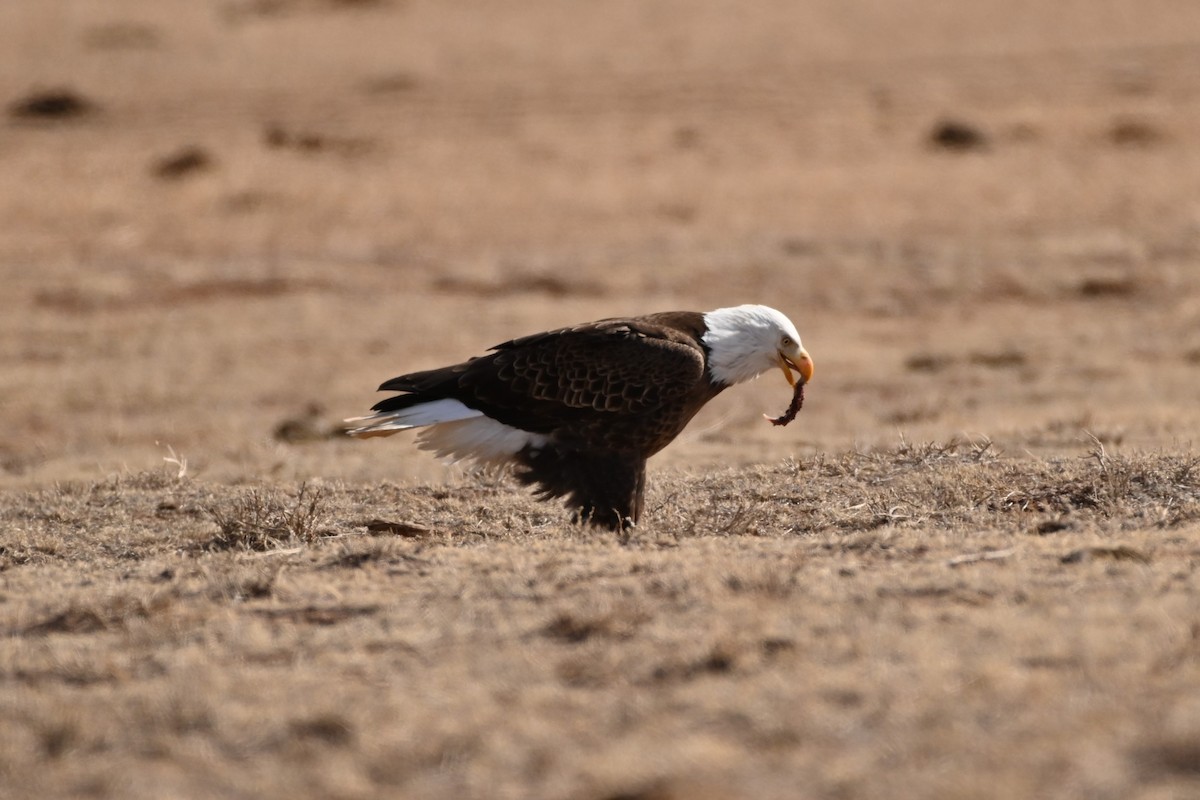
(745,341)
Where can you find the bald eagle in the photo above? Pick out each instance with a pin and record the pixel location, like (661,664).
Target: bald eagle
(577,411)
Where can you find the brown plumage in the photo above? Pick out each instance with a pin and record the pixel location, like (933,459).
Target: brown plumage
(578,410)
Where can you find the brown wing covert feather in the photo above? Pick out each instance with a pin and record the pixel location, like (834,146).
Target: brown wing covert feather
(628,385)
(568,375)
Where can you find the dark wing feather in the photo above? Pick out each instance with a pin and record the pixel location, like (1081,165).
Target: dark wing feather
(615,384)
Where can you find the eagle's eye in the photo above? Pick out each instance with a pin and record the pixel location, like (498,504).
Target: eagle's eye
(786,341)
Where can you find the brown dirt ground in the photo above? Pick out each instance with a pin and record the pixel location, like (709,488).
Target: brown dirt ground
(226,222)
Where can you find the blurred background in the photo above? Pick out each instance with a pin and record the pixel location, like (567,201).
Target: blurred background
(224,223)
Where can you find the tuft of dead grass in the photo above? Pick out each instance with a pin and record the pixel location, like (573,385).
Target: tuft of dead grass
(265,519)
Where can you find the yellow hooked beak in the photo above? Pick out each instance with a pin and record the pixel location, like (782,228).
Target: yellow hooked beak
(801,362)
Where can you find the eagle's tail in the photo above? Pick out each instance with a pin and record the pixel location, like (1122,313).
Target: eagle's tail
(605,489)
(408,411)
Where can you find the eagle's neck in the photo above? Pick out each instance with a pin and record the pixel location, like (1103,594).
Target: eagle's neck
(733,342)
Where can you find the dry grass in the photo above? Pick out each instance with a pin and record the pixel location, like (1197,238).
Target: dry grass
(225,223)
(935,615)
(260,519)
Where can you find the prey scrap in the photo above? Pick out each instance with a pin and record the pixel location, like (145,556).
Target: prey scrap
(793,408)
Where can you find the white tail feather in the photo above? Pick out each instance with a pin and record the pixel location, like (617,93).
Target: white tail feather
(482,439)
(452,431)
(385,423)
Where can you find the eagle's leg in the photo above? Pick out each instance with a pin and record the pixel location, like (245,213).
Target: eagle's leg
(603,489)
